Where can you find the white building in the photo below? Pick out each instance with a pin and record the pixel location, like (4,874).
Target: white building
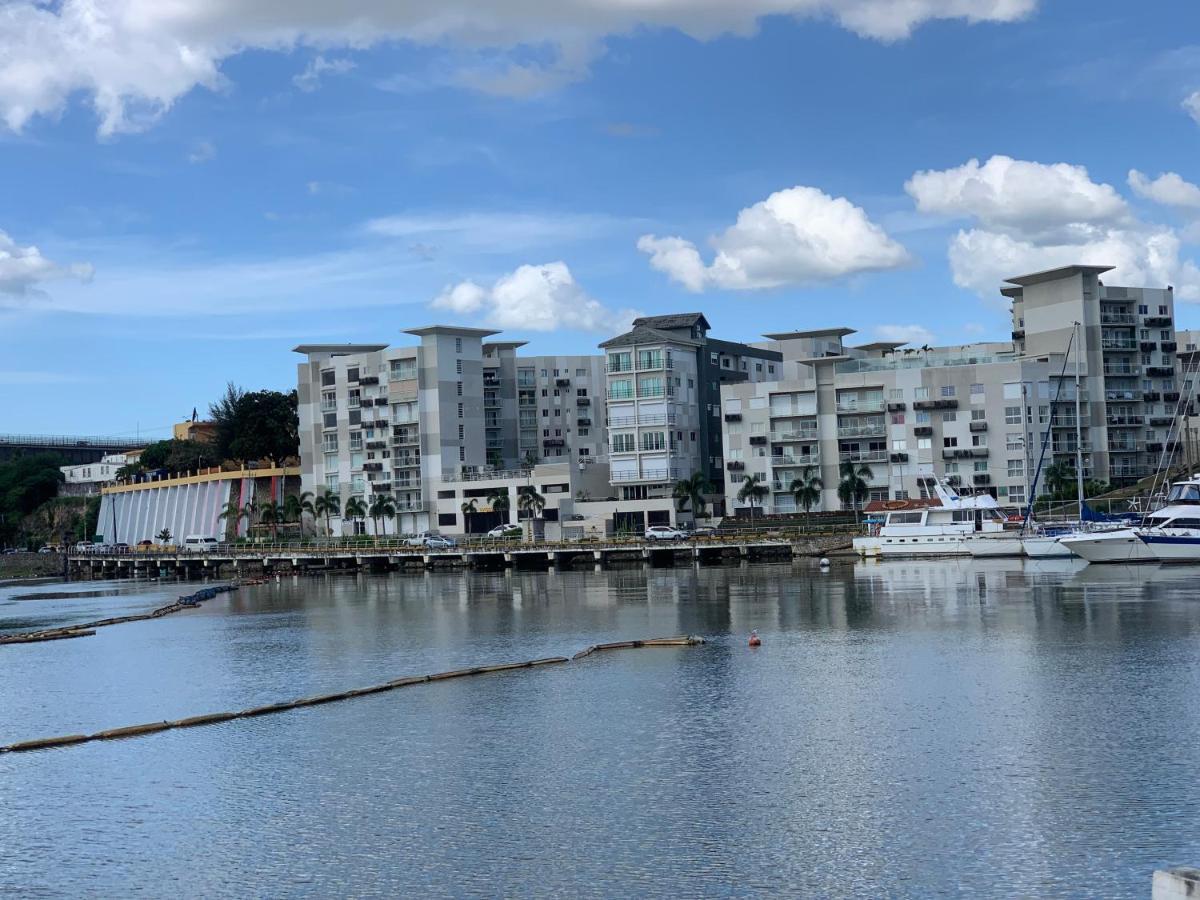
(87,478)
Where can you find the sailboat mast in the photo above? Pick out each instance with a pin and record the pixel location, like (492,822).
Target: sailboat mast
(1078,432)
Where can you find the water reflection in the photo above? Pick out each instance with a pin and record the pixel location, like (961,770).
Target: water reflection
(908,728)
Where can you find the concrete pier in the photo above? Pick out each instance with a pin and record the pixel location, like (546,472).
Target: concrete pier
(1180,883)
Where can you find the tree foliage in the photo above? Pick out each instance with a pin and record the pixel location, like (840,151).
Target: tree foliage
(256,425)
(175,457)
(26,483)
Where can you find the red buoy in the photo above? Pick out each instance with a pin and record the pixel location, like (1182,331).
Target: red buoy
(755,640)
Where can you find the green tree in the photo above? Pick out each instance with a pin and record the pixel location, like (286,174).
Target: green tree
(852,488)
(177,456)
(327,504)
(807,491)
(752,490)
(231,510)
(383,508)
(469,508)
(26,483)
(296,507)
(531,503)
(356,510)
(256,425)
(164,536)
(691,491)
(1059,478)
(272,514)
(499,502)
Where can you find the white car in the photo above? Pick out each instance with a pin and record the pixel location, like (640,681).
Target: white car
(432,540)
(506,531)
(665,533)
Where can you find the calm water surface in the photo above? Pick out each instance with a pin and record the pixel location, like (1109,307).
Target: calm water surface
(907,729)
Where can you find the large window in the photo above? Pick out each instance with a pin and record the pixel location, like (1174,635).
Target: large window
(620,389)
(650,359)
(619,362)
(623,443)
(401,369)
(1012,415)
(653,440)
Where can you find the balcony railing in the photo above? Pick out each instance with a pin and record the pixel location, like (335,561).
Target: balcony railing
(1117,318)
(1118,345)
(1125,421)
(1123,447)
(938,403)
(1120,370)
(853,431)
(787,460)
(669,474)
(979,425)
(644,419)
(1122,395)
(862,406)
(804,434)
(618,367)
(658,362)
(863,456)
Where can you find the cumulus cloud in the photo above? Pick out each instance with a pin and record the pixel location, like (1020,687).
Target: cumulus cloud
(1169,189)
(24,269)
(310,79)
(1014,195)
(534,298)
(908,334)
(796,236)
(134,58)
(1030,216)
(1192,105)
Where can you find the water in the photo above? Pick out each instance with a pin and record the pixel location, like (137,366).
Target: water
(907,729)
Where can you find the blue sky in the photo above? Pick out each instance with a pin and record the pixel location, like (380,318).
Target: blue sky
(194,193)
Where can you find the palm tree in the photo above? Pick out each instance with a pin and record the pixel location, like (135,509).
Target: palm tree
(1059,477)
(356,509)
(231,510)
(382,507)
(468,509)
(807,491)
(163,536)
(853,489)
(532,503)
(295,507)
(327,504)
(754,490)
(691,491)
(499,502)
(272,514)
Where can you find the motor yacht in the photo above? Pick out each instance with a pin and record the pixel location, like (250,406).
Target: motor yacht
(936,525)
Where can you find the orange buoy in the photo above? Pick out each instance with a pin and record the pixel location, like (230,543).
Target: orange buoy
(755,640)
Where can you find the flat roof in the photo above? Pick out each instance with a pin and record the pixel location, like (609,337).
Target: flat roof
(451,329)
(339,349)
(820,332)
(513,344)
(881,345)
(1056,274)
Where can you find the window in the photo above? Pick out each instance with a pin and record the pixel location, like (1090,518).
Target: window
(584,451)
(1014,441)
(924,443)
(1143,310)
(981,465)
(897,418)
(623,443)
(949,442)
(921,393)
(714,359)
(403,368)
(770,368)
(581,392)
(459,384)
(462,454)
(580,373)
(460,410)
(1043,415)
(331,482)
(583,432)
(543,373)
(649,359)
(327,378)
(977,390)
(978,415)
(1162,310)
(1016,494)
(352,374)
(458,366)
(1012,415)
(328,401)
(653,440)
(979,440)
(923,418)
(329,443)
(896,394)
(900,445)
(357,484)
(331,420)
(947,390)
(461,429)
(458,345)
(354,398)
(1164,335)
(758,367)
(1016,468)
(356,440)
(950,416)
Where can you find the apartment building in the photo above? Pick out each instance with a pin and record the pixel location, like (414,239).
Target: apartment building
(977,415)
(663,388)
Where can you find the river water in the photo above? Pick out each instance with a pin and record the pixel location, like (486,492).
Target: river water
(906,729)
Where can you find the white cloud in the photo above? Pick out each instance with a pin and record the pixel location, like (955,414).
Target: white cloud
(534,298)
(1192,105)
(1017,196)
(796,236)
(202,152)
(497,231)
(24,269)
(134,58)
(909,334)
(1031,216)
(310,79)
(1169,189)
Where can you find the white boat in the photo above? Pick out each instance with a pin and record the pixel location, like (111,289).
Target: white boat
(1006,543)
(1169,534)
(1046,546)
(1120,545)
(933,526)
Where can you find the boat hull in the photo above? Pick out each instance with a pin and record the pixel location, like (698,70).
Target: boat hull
(1173,548)
(1044,547)
(1001,545)
(924,545)
(1120,546)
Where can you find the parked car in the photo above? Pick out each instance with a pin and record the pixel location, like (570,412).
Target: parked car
(121,548)
(431,540)
(665,533)
(145,542)
(199,543)
(84,547)
(704,531)
(45,550)
(502,532)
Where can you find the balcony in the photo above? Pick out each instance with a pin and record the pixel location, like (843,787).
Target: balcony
(735,466)
(562,382)
(553,442)
(853,431)
(758,440)
(733,417)
(804,434)
(1117,318)
(1111,344)
(863,456)
(1071,448)
(1154,447)
(1168,346)
(956,453)
(1171,396)
(652,475)
(1162,421)
(1122,447)
(583,401)
(372,467)
(981,478)
(1147,346)
(923,430)
(491,379)
(644,419)
(784,460)
(898,457)
(1018,334)
(861,406)
(585,422)
(979,425)
(1157,321)
(618,367)
(896,406)
(369,379)
(939,403)
(1124,421)
(495,443)
(376,445)
(1120,370)
(620,394)
(659,391)
(654,362)
(406,462)
(381,487)
(979,452)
